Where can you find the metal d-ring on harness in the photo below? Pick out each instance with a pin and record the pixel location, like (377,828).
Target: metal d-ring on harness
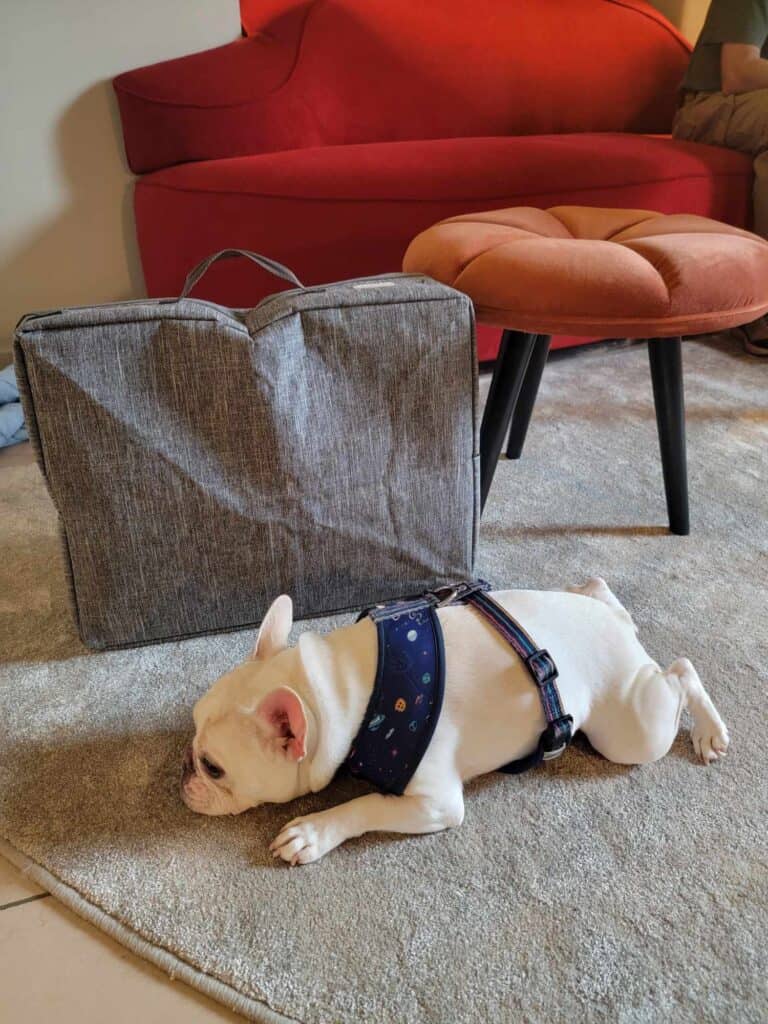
(538,662)
(408,690)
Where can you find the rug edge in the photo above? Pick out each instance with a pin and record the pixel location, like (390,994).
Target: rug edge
(165,960)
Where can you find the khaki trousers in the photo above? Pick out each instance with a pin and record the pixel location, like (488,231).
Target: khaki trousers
(737,122)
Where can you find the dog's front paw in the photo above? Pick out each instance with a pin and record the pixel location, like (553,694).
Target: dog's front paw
(710,739)
(306,839)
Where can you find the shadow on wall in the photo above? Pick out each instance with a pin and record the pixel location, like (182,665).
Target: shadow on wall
(672,9)
(687,15)
(79,256)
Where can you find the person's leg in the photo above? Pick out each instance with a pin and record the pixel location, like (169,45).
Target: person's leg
(741,123)
(755,335)
(747,126)
(761,193)
(704,117)
(747,130)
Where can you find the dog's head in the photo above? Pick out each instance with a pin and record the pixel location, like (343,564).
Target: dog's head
(250,728)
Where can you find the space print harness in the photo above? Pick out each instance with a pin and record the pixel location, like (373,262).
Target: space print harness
(407,696)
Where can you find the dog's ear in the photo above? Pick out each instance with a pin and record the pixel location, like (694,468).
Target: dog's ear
(275,629)
(281,714)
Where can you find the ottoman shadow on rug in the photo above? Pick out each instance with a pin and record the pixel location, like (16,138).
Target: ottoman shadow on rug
(582,891)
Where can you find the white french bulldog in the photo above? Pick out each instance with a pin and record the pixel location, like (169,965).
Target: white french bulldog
(281,724)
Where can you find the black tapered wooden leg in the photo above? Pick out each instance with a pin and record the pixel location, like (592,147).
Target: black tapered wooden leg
(521,417)
(665,356)
(511,365)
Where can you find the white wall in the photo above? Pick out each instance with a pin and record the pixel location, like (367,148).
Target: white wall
(66,226)
(688,15)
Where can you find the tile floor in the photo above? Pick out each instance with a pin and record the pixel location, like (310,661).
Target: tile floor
(56,967)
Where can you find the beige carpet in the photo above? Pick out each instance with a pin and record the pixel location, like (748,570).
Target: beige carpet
(580,892)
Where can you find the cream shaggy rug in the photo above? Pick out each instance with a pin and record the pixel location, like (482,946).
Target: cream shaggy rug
(580,892)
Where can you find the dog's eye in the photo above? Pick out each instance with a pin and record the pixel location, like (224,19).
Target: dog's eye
(211,769)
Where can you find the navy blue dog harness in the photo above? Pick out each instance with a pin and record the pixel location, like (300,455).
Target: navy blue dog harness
(407,696)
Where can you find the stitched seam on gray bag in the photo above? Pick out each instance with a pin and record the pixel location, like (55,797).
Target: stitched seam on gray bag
(475,377)
(129,323)
(362,305)
(28,404)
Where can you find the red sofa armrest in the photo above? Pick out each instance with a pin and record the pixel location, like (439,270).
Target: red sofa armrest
(205,106)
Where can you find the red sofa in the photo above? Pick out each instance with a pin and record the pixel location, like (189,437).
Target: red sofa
(336,130)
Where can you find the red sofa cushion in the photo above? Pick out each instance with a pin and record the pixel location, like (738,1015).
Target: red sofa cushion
(347,71)
(459,169)
(345,211)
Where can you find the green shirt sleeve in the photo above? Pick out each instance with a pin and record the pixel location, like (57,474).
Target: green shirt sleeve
(728,21)
(736,21)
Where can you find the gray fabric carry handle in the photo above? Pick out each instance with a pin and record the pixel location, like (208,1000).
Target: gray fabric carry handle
(272,266)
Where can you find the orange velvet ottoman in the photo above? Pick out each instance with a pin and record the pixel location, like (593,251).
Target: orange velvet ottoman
(595,272)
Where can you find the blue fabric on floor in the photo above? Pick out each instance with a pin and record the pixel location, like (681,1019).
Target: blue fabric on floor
(12,429)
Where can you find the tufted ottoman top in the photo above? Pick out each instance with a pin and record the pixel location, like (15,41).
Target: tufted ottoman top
(588,271)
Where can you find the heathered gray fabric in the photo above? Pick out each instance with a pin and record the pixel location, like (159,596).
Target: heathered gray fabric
(581,893)
(203,459)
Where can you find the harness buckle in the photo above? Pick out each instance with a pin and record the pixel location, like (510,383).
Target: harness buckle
(541,666)
(550,755)
(558,732)
(458,591)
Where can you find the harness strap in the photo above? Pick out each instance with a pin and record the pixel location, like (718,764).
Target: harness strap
(540,666)
(538,662)
(407,695)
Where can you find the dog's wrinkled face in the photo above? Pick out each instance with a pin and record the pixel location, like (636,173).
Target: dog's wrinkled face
(250,729)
